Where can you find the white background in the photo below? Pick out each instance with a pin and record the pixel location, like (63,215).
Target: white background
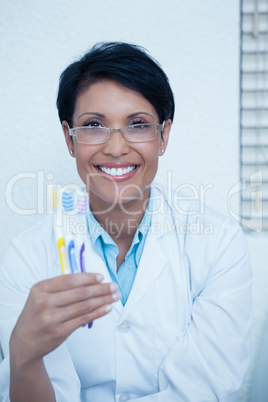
(197,44)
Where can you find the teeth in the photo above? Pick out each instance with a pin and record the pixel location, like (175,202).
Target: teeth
(117,172)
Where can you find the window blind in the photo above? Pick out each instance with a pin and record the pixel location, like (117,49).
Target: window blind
(254,114)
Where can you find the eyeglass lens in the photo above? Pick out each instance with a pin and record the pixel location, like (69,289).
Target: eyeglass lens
(98,135)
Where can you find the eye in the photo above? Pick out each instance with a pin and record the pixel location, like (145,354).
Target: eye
(92,123)
(138,120)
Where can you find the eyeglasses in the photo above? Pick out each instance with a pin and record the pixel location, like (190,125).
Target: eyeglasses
(99,135)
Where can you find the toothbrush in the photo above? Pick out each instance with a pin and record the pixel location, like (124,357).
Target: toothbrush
(82,208)
(54,199)
(68,204)
(77,205)
(71,257)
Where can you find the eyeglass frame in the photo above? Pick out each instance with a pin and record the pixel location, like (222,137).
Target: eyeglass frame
(158,126)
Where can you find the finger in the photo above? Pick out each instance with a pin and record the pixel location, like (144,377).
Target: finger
(66,328)
(70,281)
(72,296)
(92,316)
(82,308)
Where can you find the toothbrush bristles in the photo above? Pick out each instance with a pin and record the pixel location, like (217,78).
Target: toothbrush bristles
(82,203)
(68,201)
(54,199)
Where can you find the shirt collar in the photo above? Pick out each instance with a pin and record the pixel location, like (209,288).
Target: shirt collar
(96,230)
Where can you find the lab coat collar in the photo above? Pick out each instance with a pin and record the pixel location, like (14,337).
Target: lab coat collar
(162,216)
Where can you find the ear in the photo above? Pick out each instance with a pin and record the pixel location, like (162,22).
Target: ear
(165,137)
(68,138)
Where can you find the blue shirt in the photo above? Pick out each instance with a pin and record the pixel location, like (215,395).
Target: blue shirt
(108,251)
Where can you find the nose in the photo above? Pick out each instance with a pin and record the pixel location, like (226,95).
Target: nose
(116,144)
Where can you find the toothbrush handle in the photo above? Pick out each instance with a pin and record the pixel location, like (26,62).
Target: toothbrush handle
(82,264)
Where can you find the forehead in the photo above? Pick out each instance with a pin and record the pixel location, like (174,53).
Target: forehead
(109,97)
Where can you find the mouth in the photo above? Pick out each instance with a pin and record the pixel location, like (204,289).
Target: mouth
(118,173)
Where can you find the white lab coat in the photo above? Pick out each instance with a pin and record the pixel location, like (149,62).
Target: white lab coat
(183,334)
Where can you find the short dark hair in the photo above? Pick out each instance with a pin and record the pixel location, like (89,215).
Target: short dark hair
(128,64)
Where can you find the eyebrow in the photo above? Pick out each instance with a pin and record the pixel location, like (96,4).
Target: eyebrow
(137,113)
(102,115)
(94,113)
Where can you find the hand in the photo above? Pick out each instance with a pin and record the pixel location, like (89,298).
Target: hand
(54,309)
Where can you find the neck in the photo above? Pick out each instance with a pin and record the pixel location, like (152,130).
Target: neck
(121,220)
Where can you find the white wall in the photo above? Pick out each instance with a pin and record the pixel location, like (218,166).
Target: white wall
(197,44)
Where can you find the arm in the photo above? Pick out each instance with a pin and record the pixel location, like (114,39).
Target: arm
(29,383)
(41,313)
(53,310)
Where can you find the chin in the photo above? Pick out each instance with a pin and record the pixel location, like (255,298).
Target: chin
(110,201)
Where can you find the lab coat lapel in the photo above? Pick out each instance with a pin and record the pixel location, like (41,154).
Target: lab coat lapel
(152,262)
(95,264)
(153,259)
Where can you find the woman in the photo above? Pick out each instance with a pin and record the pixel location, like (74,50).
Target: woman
(171,306)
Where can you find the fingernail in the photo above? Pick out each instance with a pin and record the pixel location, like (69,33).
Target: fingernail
(99,277)
(116,296)
(113,287)
(108,308)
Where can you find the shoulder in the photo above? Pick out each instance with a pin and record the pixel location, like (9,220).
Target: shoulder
(37,239)
(190,216)
(203,243)
(41,229)
(202,234)
(31,256)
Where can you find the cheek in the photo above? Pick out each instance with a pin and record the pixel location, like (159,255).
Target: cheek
(152,153)
(82,157)
(84,154)
(151,160)
(149,150)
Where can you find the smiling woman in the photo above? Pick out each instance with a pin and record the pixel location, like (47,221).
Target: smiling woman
(171,304)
